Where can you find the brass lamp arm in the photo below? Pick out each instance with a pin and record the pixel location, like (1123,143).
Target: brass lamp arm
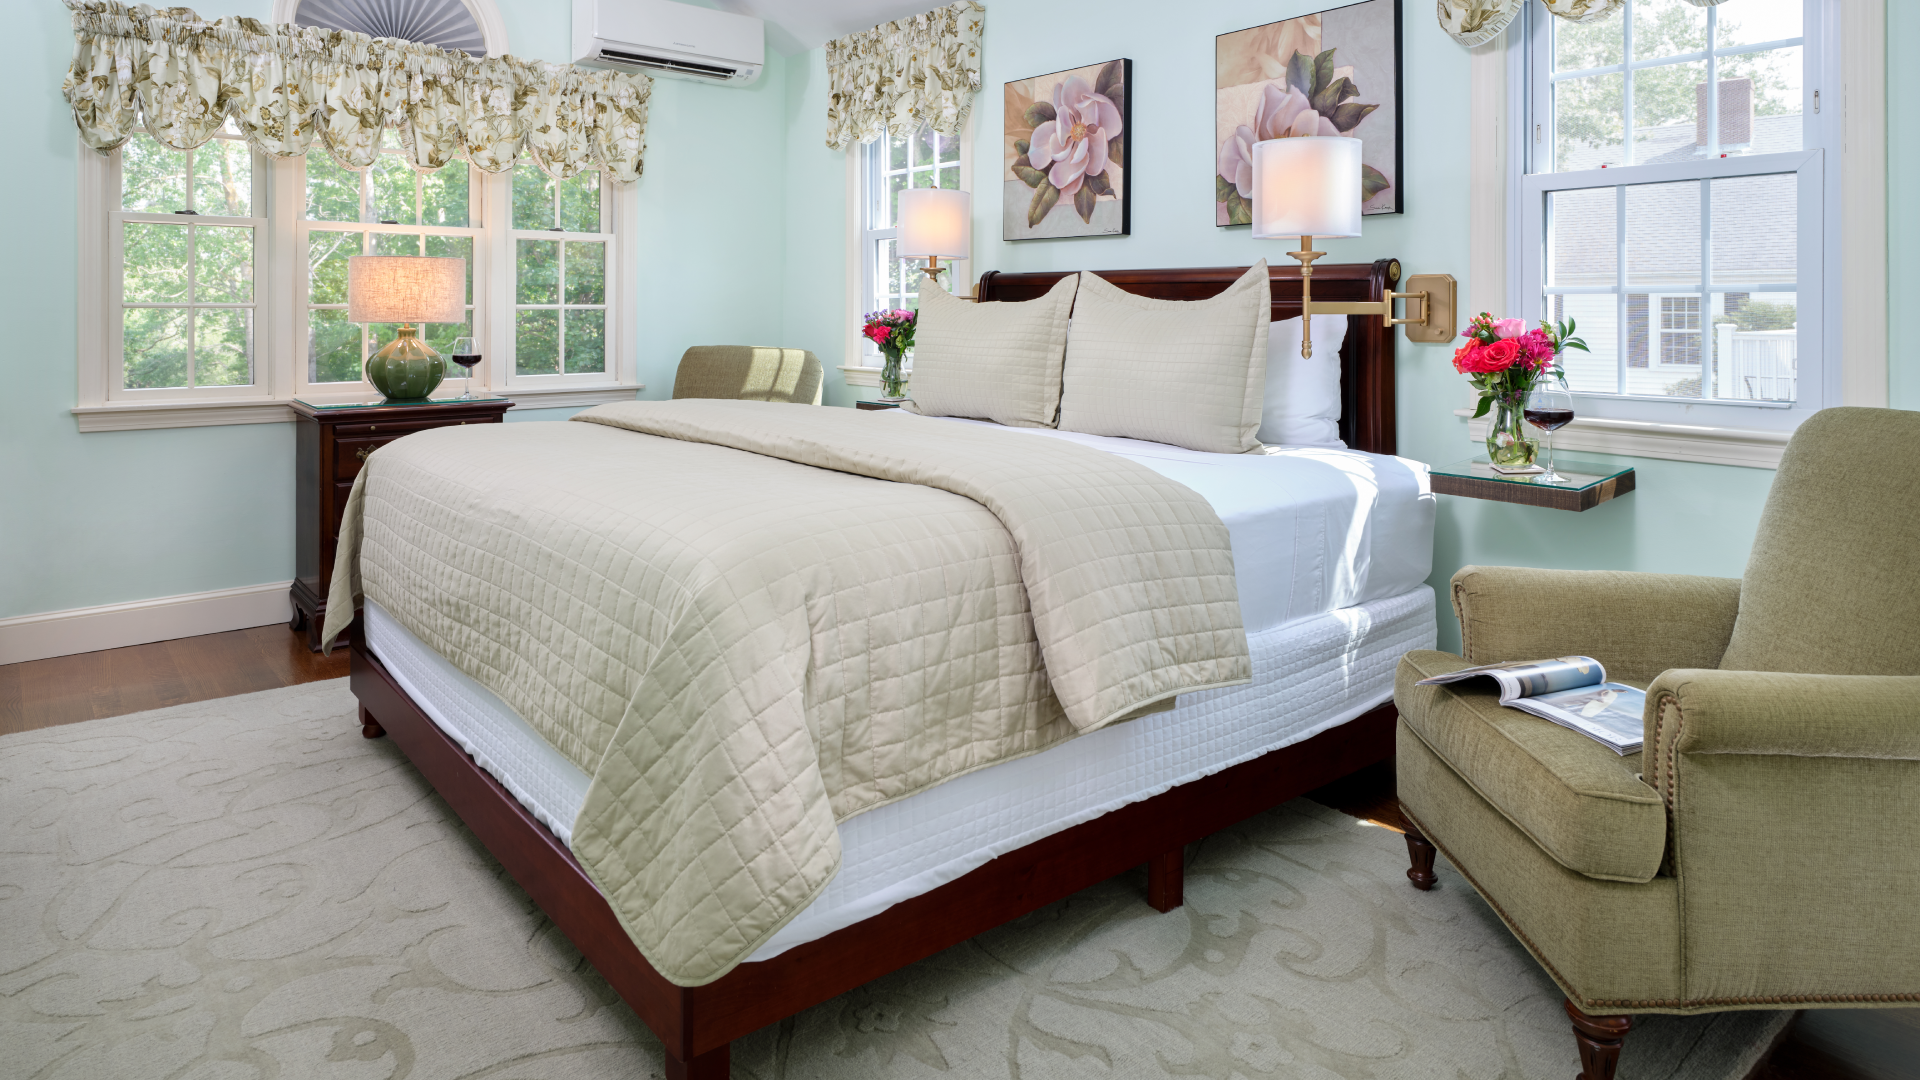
(1434,292)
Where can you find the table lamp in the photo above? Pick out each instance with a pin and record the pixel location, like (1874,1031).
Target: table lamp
(406,289)
(935,223)
(1308,186)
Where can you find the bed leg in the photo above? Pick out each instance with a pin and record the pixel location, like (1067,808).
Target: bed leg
(369,727)
(1166,879)
(715,1064)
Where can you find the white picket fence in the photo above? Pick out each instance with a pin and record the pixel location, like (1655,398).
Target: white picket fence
(1761,365)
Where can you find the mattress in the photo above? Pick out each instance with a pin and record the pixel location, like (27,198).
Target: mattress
(1314,528)
(1310,674)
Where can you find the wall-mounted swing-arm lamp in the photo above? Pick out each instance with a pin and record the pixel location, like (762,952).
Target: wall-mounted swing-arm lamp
(1309,186)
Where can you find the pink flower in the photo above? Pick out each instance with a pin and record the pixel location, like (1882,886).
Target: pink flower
(1509,328)
(1073,145)
(1281,114)
(1500,355)
(1536,349)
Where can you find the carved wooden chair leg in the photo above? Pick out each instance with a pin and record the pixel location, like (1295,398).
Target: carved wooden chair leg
(1166,879)
(715,1064)
(1421,851)
(369,727)
(1599,1039)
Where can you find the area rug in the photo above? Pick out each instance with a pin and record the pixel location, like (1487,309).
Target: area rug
(245,888)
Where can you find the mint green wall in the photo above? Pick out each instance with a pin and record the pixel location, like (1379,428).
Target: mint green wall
(1685,517)
(115,516)
(742,239)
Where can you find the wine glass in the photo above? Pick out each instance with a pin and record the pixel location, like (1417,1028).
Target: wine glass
(1549,406)
(466,353)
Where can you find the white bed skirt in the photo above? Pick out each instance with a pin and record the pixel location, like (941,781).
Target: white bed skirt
(1308,675)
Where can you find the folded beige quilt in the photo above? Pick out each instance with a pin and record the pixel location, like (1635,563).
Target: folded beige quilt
(748,621)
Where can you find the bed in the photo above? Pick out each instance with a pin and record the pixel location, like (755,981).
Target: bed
(927,871)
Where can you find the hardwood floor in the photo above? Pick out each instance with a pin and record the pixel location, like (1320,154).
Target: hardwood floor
(91,686)
(1822,1044)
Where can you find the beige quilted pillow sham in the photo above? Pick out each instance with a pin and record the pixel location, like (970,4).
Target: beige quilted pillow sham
(997,361)
(1192,373)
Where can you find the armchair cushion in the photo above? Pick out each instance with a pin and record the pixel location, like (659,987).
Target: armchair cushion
(1833,584)
(1580,802)
(1638,625)
(749,373)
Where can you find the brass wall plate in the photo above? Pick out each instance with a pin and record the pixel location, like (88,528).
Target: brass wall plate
(1442,321)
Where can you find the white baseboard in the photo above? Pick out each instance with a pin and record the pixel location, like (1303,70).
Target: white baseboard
(113,626)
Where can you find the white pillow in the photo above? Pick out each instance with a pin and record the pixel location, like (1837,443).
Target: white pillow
(1303,395)
(997,361)
(1185,372)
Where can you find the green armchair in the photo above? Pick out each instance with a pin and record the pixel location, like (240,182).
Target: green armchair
(1763,851)
(749,373)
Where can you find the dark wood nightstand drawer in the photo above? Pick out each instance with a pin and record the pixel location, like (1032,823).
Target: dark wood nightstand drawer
(350,454)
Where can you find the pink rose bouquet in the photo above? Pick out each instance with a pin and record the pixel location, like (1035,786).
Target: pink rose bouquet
(1505,358)
(890,329)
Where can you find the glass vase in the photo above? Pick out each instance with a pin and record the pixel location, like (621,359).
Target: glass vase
(1507,443)
(893,384)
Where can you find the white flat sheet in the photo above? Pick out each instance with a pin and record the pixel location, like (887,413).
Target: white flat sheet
(1314,528)
(1308,676)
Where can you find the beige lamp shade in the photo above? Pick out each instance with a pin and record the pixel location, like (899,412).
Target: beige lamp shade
(1306,186)
(934,221)
(406,289)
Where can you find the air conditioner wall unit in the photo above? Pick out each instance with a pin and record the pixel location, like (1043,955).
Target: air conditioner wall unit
(665,39)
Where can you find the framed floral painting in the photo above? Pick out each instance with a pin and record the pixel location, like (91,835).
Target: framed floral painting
(1336,72)
(1067,140)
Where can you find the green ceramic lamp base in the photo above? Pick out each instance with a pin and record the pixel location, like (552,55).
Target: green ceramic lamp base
(408,369)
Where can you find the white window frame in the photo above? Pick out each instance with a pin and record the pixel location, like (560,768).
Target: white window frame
(506,300)
(1851,78)
(864,190)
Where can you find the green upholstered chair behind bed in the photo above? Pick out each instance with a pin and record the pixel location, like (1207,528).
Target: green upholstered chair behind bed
(749,372)
(1763,852)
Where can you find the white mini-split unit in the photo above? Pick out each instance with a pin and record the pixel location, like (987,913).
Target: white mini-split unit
(660,37)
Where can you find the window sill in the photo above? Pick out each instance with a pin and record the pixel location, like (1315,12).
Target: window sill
(1711,445)
(142,416)
(860,375)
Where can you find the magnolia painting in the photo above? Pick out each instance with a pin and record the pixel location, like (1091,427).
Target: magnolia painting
(1334,73)
(1066,154)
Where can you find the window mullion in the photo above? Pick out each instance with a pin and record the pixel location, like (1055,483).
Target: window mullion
(1706,262)
(1626,94)
(1621,336)
(1713,85)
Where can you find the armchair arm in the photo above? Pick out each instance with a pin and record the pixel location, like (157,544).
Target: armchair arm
(1773,713)
(1638,625)
(1788,799)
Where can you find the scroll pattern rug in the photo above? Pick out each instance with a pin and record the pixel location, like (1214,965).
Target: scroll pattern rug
(245,888)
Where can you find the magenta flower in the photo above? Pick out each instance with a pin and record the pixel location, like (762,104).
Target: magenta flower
(1073,145)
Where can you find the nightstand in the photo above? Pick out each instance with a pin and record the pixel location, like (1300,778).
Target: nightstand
(1589,483)
(333,439)
(873,406)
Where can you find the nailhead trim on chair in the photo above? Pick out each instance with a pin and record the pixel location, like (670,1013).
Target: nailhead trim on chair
(1596,1005)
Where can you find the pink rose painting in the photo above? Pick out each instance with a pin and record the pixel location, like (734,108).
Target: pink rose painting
(1066,154)
(1334,73)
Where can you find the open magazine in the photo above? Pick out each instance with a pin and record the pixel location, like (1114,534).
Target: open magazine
(1573,692)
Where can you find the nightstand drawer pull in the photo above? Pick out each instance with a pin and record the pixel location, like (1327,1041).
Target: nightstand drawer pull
(363,452)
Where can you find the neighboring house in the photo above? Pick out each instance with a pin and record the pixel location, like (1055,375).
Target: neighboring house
(1670,323)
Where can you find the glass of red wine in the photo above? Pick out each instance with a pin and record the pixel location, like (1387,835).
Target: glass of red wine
(466,353)
(1549,407)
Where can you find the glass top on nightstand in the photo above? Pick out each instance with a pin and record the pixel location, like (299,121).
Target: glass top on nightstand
(1580,472)
(381,403)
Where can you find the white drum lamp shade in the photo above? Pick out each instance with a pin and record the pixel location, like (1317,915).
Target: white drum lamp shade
(934,222)
(1306,186)
(406,289)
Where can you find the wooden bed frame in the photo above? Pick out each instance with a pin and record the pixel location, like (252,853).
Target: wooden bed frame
(697,1024)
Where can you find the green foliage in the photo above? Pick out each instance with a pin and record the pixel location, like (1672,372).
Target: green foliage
(1758,315)
(390,191)
(533,197)
(1100,184)
(334,351)
(1683,388)
(154,347)
(1372,182)
(443,195)
(333,193)
(1037,113)
(538,278)
(155,265)
(580,202)
(586,272)
(586,340)
(1111,82)
(1084,200)
(1029,175)
(537,342)
(223,178)
(1117,149)
(222,347)
(222,265)
(152,177)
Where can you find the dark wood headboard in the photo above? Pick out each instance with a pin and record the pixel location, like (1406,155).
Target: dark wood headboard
(1366,356)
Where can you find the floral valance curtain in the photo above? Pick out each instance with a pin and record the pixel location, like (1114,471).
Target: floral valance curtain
(1475,22)
(288,88)
(923,69)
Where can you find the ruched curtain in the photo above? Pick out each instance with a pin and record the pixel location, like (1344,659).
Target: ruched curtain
(287,88)
(923,69)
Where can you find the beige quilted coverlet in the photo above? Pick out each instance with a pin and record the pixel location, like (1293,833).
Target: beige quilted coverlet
(775,617)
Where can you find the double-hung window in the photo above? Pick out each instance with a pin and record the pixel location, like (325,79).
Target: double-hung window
(560,276)
(186,258)
(889,165)
(1675,203)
